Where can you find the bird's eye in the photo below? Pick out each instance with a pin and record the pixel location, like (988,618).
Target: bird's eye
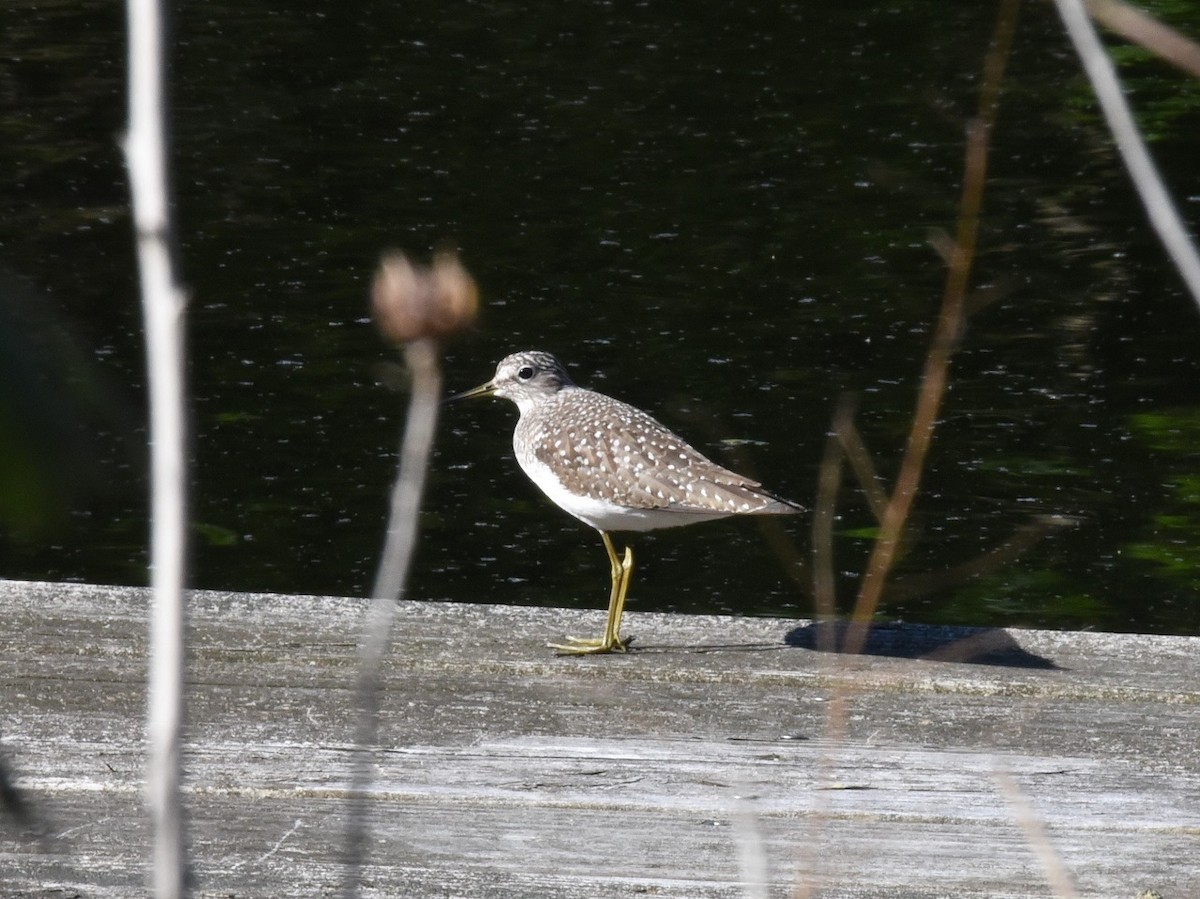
(525,373)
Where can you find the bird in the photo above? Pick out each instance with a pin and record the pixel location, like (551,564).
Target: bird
(613,467)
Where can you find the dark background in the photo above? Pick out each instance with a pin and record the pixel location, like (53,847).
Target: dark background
(719,214)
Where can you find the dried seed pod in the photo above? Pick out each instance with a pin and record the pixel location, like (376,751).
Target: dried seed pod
(410,303)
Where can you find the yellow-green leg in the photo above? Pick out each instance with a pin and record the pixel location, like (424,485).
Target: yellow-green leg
(621,571)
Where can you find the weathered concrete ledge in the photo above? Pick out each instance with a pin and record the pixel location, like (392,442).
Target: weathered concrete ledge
(506,771)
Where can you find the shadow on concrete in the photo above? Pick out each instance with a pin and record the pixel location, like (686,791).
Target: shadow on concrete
(966,645)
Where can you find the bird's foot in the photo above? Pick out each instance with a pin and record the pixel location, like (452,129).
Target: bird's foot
(578,646)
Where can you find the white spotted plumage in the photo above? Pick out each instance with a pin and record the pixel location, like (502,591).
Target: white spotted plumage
(611,465)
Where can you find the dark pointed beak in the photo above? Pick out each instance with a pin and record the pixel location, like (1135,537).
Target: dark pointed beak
(482,390)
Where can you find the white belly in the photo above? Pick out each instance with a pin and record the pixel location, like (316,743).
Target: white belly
(607,516)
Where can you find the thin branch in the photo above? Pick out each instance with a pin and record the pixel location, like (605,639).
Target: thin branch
(163,310)
(406,499)
(412,307)
(1057,875)
(1146,179)
(829,482)
(421,357)
(1141,28)
(416,445)
(1019,542)
(859,457)
(945,337)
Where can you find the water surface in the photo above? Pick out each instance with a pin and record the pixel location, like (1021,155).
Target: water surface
(722,217)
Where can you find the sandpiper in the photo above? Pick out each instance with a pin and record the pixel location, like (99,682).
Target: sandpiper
(613,467)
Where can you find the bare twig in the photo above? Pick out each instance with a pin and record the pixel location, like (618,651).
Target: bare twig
(1150,188)
(1019,542)
(945,337)
(829,482)
(163,304)
(1139,26)
(416,444)
(415,308)
(421,357)
(1057,875)
(752,852)
(860,461)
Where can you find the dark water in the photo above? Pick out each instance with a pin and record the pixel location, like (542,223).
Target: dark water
(720,214)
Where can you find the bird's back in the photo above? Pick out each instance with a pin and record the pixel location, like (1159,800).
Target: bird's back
(607,456)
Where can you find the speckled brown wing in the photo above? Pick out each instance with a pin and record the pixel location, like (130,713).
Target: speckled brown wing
(615,452)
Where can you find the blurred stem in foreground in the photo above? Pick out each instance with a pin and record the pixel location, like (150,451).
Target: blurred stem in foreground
(1160,208)
(945,337)
(414,308)
(163,303)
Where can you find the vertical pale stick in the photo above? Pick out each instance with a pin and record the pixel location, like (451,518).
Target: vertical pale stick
(415,447)
(162,309)
(1149,184)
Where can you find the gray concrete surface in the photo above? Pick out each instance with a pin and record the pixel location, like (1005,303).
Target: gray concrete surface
(942,763)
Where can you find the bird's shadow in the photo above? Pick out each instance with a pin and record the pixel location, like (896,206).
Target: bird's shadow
(935,643)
